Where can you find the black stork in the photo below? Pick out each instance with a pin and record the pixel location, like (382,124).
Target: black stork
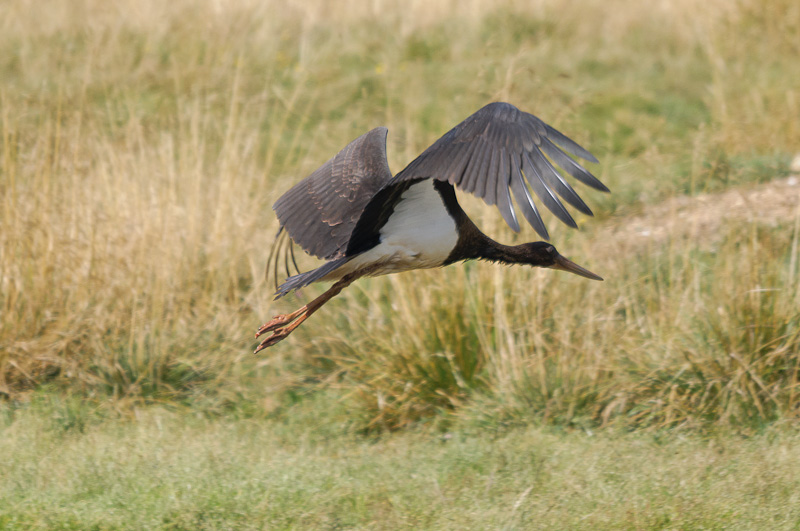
(363,221)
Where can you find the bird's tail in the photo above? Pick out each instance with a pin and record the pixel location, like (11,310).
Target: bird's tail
(304,279)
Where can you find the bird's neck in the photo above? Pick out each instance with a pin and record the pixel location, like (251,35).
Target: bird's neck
(504,254)
(475,245)
(472,243)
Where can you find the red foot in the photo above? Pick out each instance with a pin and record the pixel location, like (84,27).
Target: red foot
(277,336)
(275,323)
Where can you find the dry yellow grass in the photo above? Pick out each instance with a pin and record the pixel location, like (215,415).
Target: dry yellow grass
(143,142)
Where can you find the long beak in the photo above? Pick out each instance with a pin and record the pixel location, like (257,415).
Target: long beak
(568,265)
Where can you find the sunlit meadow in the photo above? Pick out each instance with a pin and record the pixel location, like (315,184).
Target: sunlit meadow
(143,143)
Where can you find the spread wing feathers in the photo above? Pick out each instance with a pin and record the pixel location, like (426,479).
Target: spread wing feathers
(320,212)
(493,152)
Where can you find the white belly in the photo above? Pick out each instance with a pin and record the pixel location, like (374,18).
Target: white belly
(420,234)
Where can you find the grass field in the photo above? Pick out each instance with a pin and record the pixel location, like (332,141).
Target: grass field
(176,471)
(143,143)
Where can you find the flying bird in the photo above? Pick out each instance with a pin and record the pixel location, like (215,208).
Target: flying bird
(352,213)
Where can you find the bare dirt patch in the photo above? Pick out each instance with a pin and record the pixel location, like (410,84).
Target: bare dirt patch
(701,217)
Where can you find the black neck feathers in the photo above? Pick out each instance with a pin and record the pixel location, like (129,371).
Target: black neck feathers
(475,245)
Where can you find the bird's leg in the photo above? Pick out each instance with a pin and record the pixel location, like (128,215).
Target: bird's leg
(283,325)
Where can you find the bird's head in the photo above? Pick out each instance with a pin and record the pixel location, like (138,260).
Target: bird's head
(543,254)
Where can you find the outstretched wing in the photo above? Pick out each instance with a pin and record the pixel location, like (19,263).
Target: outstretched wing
(488,153)
(320,212)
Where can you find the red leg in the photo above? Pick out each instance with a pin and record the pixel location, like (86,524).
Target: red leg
(283,325)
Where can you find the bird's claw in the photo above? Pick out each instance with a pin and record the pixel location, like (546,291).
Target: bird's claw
(273,324)
(280,326)
(277,335)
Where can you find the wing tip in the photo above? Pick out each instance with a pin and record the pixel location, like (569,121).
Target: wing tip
(591,158)
(603,187)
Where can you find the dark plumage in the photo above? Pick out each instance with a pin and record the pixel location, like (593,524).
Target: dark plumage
(354,214)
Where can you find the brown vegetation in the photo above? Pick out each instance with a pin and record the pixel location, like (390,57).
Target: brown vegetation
(142,143)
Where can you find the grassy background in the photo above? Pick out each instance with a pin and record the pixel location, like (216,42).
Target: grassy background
(142,144)
(169,471)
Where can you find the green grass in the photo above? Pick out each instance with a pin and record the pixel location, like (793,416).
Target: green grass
(173,471)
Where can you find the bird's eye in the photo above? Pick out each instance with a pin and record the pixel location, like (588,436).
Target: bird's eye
(551,249)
